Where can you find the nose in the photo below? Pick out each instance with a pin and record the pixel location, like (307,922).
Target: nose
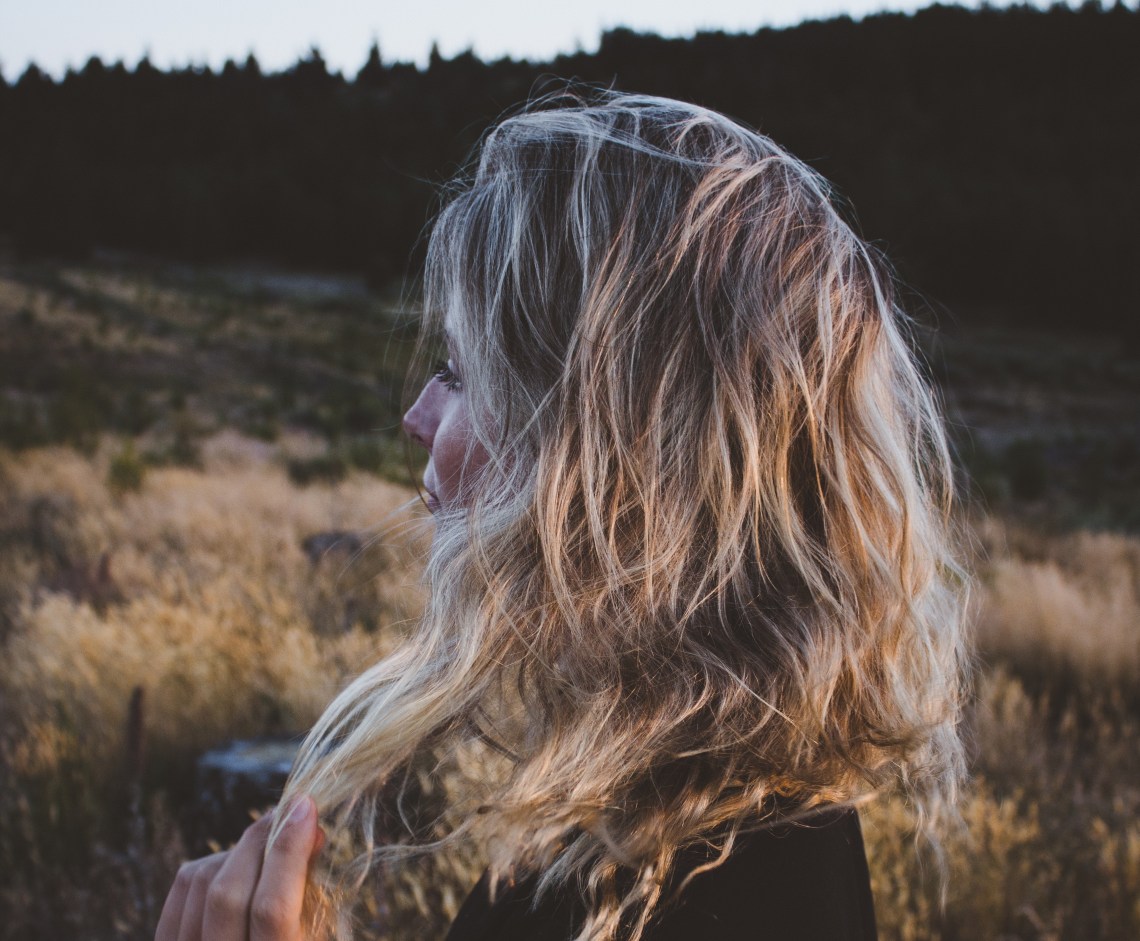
(417,422)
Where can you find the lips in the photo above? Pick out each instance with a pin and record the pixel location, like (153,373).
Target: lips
(432,500)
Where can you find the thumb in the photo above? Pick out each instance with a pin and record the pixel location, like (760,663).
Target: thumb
(319,841)
(275,914)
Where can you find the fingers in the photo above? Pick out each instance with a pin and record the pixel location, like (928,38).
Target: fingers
(230,895)
(275,912)
(190,928)
(246,892)
(171,915)
(182,913)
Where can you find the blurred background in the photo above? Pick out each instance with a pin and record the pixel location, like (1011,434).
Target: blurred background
(212,219)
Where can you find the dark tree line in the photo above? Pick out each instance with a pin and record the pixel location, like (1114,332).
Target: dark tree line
(993,154)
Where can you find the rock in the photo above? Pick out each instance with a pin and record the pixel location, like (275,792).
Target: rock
(333,542)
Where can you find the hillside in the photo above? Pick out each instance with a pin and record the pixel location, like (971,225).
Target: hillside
(991,152)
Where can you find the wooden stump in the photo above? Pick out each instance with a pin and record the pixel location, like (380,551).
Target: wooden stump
(234,782)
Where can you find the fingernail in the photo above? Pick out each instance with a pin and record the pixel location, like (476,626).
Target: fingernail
(301,811)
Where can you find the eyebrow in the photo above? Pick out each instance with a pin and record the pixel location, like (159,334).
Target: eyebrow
(450,341)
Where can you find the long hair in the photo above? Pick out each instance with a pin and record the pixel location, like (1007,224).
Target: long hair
(711,566)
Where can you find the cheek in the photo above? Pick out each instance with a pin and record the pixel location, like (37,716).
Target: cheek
(456,456)
(447,454)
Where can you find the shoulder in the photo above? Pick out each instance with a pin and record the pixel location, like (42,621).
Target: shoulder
(804,881)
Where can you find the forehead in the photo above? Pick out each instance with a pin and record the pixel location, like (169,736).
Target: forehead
(453,325)
(451,321)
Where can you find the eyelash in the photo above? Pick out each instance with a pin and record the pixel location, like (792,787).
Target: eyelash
(446,375)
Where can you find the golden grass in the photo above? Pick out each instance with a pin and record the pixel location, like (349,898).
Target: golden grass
(215,610)
(219,595)
(1051,819)
(217,614)
(1069,601)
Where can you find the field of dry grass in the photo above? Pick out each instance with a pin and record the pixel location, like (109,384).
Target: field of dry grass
(128,564)
(195,588)
(1051,844)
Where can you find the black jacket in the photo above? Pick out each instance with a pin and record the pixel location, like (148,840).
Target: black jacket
(798,882)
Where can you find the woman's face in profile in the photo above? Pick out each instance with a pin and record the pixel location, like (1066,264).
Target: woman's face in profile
(440,420)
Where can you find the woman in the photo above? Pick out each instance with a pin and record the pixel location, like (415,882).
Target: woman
(693,568)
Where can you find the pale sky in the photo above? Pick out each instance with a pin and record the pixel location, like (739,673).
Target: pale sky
(60,33)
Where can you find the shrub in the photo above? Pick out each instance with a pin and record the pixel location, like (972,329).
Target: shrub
(127,471)
(328,468)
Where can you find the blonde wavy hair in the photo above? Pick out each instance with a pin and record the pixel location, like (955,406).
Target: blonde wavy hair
(711,568)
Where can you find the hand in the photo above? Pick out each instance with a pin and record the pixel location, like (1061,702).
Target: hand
(244,894)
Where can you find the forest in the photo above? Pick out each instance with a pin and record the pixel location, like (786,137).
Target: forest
(992,154)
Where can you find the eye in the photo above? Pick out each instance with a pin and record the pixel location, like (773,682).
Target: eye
(445,374)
